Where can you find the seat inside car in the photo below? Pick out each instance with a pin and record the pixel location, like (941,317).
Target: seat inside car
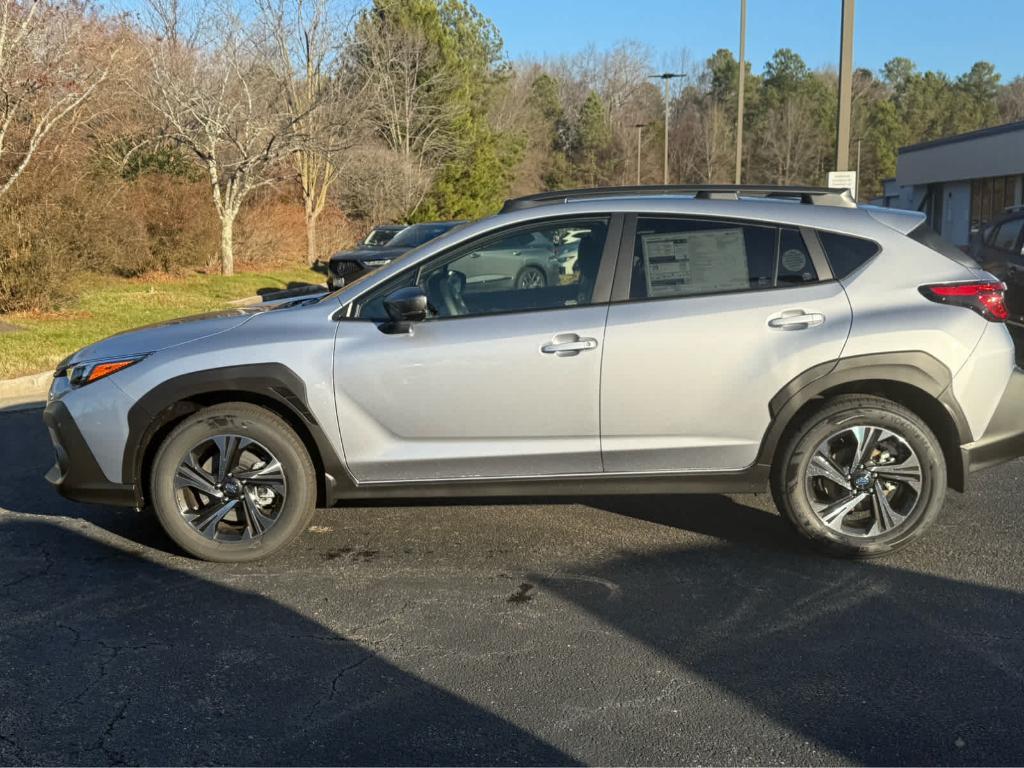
(589,259)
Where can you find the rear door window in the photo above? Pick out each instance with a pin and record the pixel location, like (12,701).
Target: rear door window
(795,264)
(675,257)
(688,257)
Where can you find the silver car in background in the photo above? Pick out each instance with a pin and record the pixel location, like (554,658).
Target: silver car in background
(708,339)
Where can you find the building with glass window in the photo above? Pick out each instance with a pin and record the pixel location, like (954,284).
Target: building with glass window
(961,182)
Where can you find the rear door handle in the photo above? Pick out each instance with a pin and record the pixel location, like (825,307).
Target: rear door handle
(795,320)
(568,344)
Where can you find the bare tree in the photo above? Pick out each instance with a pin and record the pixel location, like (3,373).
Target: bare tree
(790,141)
(407,100)
(307,39)
(382,185)
(211,85)
(52,60)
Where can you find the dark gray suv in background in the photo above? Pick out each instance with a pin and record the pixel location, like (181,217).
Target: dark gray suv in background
(347,266)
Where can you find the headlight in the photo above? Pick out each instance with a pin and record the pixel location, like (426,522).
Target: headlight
(375,262)
(89,371)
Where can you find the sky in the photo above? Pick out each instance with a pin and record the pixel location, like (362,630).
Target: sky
(946,35)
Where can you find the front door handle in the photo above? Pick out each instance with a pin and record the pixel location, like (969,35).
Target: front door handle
(568,344)
(795,320)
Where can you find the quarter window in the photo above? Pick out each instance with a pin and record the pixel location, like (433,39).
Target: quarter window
(846,253)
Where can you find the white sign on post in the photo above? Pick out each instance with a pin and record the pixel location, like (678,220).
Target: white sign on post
(843,180)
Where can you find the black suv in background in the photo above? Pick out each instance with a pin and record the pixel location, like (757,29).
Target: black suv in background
(999,248)
(346,266)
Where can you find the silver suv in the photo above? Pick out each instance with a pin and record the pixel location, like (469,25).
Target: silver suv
(708,339)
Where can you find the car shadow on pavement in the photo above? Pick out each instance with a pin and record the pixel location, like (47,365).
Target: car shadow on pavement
(110,658)
(875,664)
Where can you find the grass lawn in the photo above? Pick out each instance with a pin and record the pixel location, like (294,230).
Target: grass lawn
(109,305)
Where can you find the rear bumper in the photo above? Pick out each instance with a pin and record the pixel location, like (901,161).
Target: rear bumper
(75,473)
(1004,438)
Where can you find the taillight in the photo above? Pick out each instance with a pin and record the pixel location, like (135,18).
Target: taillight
(986,298)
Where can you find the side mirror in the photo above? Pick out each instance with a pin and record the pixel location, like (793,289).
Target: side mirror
(405,306)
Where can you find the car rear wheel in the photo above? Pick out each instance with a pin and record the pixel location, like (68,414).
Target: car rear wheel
(233,483)
(531,277)
(860,477)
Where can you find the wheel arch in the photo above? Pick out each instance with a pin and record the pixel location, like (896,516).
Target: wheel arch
(272,386)
(915,380)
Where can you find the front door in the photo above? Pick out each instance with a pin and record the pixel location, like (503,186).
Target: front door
(496,384)
(720,317)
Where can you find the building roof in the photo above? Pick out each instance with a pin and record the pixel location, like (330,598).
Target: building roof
(969,136)
(996,151)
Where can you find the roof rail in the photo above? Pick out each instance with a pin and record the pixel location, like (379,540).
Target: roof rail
(806,195)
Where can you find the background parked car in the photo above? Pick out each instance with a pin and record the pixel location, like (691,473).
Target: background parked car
(382,235)
(1000,250)
(346,266)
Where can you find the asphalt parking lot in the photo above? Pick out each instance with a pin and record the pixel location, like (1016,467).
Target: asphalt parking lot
(619,631)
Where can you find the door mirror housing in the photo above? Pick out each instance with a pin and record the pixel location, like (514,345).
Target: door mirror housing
(405,306)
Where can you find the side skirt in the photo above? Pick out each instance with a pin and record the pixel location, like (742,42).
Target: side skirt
(751,480)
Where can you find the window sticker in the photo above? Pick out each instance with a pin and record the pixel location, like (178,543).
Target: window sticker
(794,260)
(684,263)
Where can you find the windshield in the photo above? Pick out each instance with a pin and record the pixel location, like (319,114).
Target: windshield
(418,234)
(380,236)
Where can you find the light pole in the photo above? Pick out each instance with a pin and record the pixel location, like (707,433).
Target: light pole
(666,77)
(639,132)
(845,88)
(739,92)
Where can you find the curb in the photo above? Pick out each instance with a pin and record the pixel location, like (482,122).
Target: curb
(26,386)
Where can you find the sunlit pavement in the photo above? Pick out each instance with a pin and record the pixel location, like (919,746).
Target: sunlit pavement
(650,630)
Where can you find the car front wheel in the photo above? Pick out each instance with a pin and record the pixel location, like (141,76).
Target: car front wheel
(233,483)
(862,476)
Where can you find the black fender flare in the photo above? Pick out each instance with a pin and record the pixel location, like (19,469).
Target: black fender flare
(175,398)
(915,369)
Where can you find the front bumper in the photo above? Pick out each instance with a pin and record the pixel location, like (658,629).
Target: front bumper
(75,473)
(340,272)
(1004,438)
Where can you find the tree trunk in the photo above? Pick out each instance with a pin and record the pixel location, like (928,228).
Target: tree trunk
(227,245)
(311,244)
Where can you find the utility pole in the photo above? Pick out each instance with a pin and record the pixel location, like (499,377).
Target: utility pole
(666,77)
(742,80)
(639,132)
(845,88)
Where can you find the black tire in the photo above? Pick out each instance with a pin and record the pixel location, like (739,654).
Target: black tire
(531,277)
(269,431)
(793,490)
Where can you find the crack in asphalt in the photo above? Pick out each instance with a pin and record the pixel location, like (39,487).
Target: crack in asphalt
(35,574)
(113,756)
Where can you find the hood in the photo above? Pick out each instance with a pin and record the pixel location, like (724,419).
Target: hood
(170,333)
(359,254)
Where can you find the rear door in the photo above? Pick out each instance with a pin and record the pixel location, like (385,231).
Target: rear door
(714,318)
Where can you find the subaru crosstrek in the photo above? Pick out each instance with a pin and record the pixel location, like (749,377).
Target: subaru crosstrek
(711,339)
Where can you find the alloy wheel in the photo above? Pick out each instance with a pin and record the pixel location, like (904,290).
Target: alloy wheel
(230,488)
(864,481)
(531,278)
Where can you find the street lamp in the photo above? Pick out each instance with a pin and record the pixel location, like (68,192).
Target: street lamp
(639,132)
(666,77)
